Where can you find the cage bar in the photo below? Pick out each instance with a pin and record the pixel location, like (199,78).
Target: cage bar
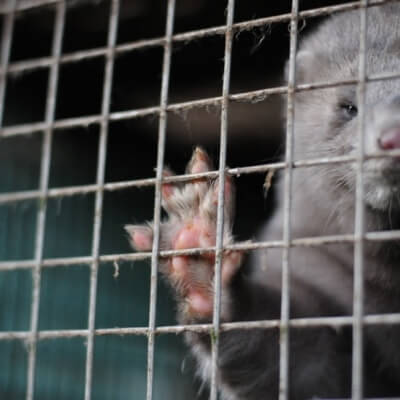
(285,291)
(246,246)
(181,37)
(44,186)
(162,132)
(112,186)
(334,322)
(6,40)
(98,213)
(94,261)
(28,4)
(219,246)
(359,224)
(251,96)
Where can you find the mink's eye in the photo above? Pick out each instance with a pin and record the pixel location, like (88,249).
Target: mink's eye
(348,109)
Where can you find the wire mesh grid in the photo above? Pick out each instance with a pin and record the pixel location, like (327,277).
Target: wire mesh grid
(94,261)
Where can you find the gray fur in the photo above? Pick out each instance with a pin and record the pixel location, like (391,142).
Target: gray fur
(321,278)
(323,204)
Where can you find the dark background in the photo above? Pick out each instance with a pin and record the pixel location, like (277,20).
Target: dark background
(254,137)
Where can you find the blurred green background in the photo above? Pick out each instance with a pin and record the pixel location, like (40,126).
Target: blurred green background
(119,370)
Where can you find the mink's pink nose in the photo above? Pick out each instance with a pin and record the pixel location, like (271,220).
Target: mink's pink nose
(390,139)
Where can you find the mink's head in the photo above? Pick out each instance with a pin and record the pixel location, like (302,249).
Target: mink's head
(326,120)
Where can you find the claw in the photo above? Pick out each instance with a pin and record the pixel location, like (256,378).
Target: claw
(200,162)
(229,204)
(167,188)
(141,236)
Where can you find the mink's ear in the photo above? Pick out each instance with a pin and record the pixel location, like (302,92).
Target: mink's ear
(307,64)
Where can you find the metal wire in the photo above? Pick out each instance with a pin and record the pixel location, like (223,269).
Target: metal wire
(44,185)
(251,96)
(98,213)
(285,292)
(221,200)
(359,238)
(246,246)
(180,37)
(6,8)
(358,284)
(334,322)
(162,132)
(85,189)
(6,39)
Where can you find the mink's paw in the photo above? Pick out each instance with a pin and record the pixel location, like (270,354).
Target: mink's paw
(191,223)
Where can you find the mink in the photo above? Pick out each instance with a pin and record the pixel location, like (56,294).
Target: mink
(321,277)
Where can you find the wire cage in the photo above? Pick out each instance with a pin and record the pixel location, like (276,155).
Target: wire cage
(80,311)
